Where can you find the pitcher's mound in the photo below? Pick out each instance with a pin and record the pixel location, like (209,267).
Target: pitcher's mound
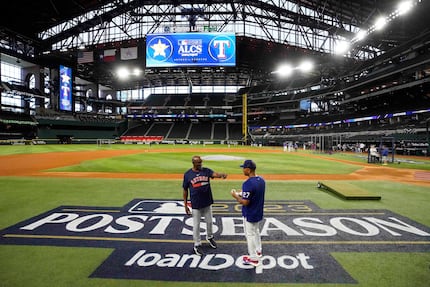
(219,157)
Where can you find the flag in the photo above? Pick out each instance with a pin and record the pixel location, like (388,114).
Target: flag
(109,55)
(85,57)
(129,53)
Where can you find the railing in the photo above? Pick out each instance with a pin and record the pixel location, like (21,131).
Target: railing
(141,139)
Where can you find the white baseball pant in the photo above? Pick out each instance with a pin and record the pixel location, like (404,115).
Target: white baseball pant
(253,238)
(205,212)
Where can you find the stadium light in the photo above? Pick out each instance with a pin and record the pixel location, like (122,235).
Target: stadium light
(380,23)
(342,47)
(404,7)
(137,72)
(306,66)
(284,70)
(360,35)
(122,73)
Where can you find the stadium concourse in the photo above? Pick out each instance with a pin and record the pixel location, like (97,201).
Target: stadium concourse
(37,164)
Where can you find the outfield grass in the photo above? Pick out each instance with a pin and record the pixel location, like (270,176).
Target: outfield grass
(24,197)
(174,163)
(400,161)
(422,163)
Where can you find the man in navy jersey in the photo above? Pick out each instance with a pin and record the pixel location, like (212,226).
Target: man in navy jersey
(251,197)
(197,181)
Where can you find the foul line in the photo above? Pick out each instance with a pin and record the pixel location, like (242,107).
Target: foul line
(219,241)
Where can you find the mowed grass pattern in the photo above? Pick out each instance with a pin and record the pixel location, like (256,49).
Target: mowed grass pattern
(176,163)
(25,197)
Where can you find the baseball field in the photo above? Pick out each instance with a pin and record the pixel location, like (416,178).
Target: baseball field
(67,214)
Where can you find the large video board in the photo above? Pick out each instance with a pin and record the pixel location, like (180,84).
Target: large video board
(190,49)
(66,83)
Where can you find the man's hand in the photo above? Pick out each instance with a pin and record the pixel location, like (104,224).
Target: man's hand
(187,209)
(219,175)
(237,194)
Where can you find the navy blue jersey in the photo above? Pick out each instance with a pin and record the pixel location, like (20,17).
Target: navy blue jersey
(384,152)
(198,183)
(253,189)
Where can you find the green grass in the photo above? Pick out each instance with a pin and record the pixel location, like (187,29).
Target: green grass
(25,149)
(175,163)
(394,269)
(24,197)
(399,160)
(422,163)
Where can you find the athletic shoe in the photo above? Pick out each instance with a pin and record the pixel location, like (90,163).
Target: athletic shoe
(248,261)
(198,250)
(259,254)
(212,242)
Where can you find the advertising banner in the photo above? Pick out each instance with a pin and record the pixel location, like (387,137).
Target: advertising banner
(65,101)
(152,239)
(190,49)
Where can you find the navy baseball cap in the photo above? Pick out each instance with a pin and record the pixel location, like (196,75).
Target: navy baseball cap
(249,164)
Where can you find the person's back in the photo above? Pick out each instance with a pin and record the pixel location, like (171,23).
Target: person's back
(384,154)
(256,186)
(252,200)
(385,151)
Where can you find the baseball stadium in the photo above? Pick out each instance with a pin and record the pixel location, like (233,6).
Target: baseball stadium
(104,104)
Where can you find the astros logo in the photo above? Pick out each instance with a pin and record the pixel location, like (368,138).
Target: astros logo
(160,48)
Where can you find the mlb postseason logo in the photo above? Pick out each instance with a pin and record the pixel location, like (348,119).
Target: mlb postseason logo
(191,49)
(153,240)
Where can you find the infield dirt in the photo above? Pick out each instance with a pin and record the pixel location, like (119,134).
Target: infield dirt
(36,164)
